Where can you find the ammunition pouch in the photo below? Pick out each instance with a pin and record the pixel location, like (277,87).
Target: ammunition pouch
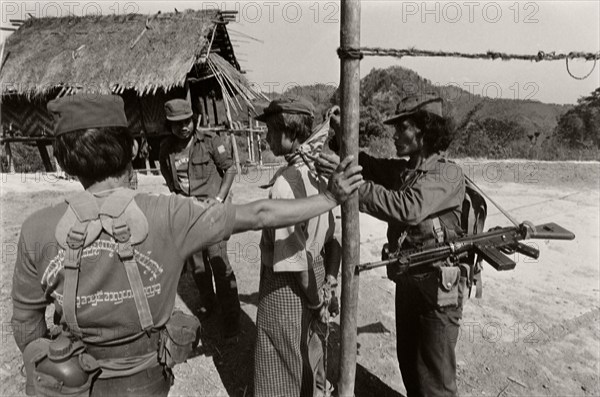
(178,339)
(448,286)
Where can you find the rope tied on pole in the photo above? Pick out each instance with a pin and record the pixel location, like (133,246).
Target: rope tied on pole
(350,53)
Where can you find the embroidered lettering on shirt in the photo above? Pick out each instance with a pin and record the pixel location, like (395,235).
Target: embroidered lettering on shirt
(116,297)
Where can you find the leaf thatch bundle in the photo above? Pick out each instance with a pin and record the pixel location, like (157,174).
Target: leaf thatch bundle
(114,53)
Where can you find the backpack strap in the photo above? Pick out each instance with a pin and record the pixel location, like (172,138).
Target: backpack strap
(82,213)
(125,221)
(122,235)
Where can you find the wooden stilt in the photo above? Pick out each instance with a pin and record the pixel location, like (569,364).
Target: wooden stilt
(236,155)
(9,158)
(206,112)
(216,114)
(251,146)
(45,157)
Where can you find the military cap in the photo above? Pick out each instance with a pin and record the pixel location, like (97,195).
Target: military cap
(288,106)
(178,109)
(83,111)
(410,105)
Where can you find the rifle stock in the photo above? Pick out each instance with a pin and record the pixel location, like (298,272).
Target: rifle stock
(491,246)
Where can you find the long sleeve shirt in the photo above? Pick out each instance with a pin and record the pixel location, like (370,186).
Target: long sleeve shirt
(409,198)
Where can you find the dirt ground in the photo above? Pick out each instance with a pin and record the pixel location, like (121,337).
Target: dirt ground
(535,332)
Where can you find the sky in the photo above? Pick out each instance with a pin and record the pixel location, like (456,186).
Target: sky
(294,42)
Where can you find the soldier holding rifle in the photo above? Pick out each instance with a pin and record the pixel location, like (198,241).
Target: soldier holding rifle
(422,206)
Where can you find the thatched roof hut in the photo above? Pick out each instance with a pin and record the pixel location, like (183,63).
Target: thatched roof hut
(147,60)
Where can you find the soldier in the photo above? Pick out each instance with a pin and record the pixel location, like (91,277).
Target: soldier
(421,200)
(110,260)
(197,163)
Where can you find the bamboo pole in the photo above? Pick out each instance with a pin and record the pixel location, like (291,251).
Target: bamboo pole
(258,148)
(9,158)
(206,111)
(45,156)
(249,138)
(251,147)
(215,113)
(236,155)
(350,84)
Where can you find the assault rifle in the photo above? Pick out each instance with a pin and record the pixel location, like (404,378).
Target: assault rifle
(492,246)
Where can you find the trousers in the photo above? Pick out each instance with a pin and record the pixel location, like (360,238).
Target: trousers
(214,262)
(426,337)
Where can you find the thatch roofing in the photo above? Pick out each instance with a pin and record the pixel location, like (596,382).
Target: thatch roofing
(106,53)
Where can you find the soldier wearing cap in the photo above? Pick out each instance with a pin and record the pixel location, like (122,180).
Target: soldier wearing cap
(110,259)
(420,198)
(299,264)
(197,163)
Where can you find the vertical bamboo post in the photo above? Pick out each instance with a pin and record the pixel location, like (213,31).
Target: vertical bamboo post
(215,112)
(259,150)
(350,85)
(44,155)
(9,158)
(236,155)
(251,147)
(249,139)
(248,145)
(206,112)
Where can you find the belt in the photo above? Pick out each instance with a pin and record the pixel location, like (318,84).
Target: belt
(138,347)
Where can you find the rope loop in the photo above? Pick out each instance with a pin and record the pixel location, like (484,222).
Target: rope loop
(577,77)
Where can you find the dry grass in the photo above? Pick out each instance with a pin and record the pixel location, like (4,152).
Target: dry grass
(95,52)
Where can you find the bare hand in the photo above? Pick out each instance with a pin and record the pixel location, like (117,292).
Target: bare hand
(331,306)
(326,164)
(345,180)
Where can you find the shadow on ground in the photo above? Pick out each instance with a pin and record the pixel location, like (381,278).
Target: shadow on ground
(233,358)
(366,383)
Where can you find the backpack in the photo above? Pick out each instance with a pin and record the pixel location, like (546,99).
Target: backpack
(81,225)
(472,221)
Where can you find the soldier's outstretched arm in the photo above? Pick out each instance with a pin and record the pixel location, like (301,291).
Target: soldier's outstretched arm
(279,213)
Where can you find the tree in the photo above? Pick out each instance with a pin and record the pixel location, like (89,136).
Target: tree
(580,126)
